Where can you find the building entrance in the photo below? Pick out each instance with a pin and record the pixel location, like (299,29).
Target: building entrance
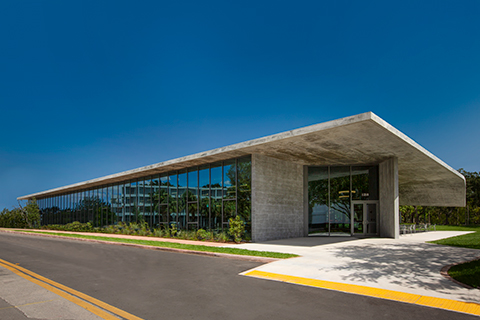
(365,217)
(342,200)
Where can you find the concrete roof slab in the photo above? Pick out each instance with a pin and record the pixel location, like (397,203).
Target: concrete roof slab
(357,140)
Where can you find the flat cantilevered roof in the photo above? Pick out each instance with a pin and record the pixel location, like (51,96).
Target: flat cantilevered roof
(362,139)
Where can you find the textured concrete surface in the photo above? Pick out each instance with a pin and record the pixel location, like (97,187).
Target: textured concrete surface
(361,139)
(277,199)
(389,224)
(26,300)
(407,264)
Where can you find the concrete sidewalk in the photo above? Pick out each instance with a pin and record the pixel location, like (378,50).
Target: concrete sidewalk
(407,265)
(23,299)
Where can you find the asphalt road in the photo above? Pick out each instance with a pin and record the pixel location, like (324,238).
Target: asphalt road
(161,285)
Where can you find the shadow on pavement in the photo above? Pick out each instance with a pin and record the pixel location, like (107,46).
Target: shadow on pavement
(410,265)
(311,241)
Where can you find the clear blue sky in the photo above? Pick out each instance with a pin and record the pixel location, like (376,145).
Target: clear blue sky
(90,88)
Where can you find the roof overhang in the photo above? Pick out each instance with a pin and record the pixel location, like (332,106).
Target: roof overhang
(357,140)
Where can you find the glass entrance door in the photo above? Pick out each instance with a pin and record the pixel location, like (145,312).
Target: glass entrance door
(364,216)
(357,212)
(371,221)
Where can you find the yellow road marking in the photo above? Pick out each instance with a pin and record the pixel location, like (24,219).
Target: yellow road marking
(50,285)
(453,305)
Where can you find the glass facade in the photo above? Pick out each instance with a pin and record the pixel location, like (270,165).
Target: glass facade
(331,192)
(192,198)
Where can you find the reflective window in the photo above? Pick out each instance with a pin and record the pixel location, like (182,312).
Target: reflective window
(163,198)
(121,203)
(229,178)
(365,183)
(133,212)
(197,197)
(148,201)
(340,200)
(182,199)
(172,199)
(154,198)
(216,196)
(229,211)
(110,219)
(192,198)
(164,183)
(318,213)
(204,190)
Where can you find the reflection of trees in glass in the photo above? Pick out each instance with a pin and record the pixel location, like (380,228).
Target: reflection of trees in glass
(244,195)
(162,199)
(360,184)
(340,195)
(96,210)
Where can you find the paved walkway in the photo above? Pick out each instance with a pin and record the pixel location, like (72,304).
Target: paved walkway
(407,265)
(23,299)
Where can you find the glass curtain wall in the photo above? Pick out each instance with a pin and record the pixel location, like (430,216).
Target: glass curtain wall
(331,191)
(198,197)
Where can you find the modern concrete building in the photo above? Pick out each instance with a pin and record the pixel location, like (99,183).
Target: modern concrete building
(342,177)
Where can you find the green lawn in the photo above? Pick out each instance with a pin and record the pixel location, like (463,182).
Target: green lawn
(471,240)
(457,228)
(468,273)
(194,247)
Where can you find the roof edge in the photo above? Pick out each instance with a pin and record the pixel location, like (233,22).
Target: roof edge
(254,142)
(414,144)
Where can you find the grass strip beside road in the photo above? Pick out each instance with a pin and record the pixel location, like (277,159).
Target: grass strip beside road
(193,247)
(468,273)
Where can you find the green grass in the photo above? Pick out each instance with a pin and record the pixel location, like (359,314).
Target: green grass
(458,228)
(468,273)
(194,247)
(471,240)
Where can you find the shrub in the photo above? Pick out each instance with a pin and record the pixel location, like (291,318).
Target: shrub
(237,229)
(202,234)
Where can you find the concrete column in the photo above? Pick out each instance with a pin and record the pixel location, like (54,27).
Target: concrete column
(305,201)
(389,204)
(277,199)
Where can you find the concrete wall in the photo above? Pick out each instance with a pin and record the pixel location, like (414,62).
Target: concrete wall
(277,199)
(389,203)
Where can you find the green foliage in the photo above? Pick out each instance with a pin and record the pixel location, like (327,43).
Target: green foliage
(21,217)
(32,214)
(194,247)
(12,219)
(142,229)
(73,226)
(221,237)
(203,234)
(173,230)
(468,273)
(470,240)
(458,228)
(237,228)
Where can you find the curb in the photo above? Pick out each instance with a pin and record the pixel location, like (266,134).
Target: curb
(203,253)
(444,272)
